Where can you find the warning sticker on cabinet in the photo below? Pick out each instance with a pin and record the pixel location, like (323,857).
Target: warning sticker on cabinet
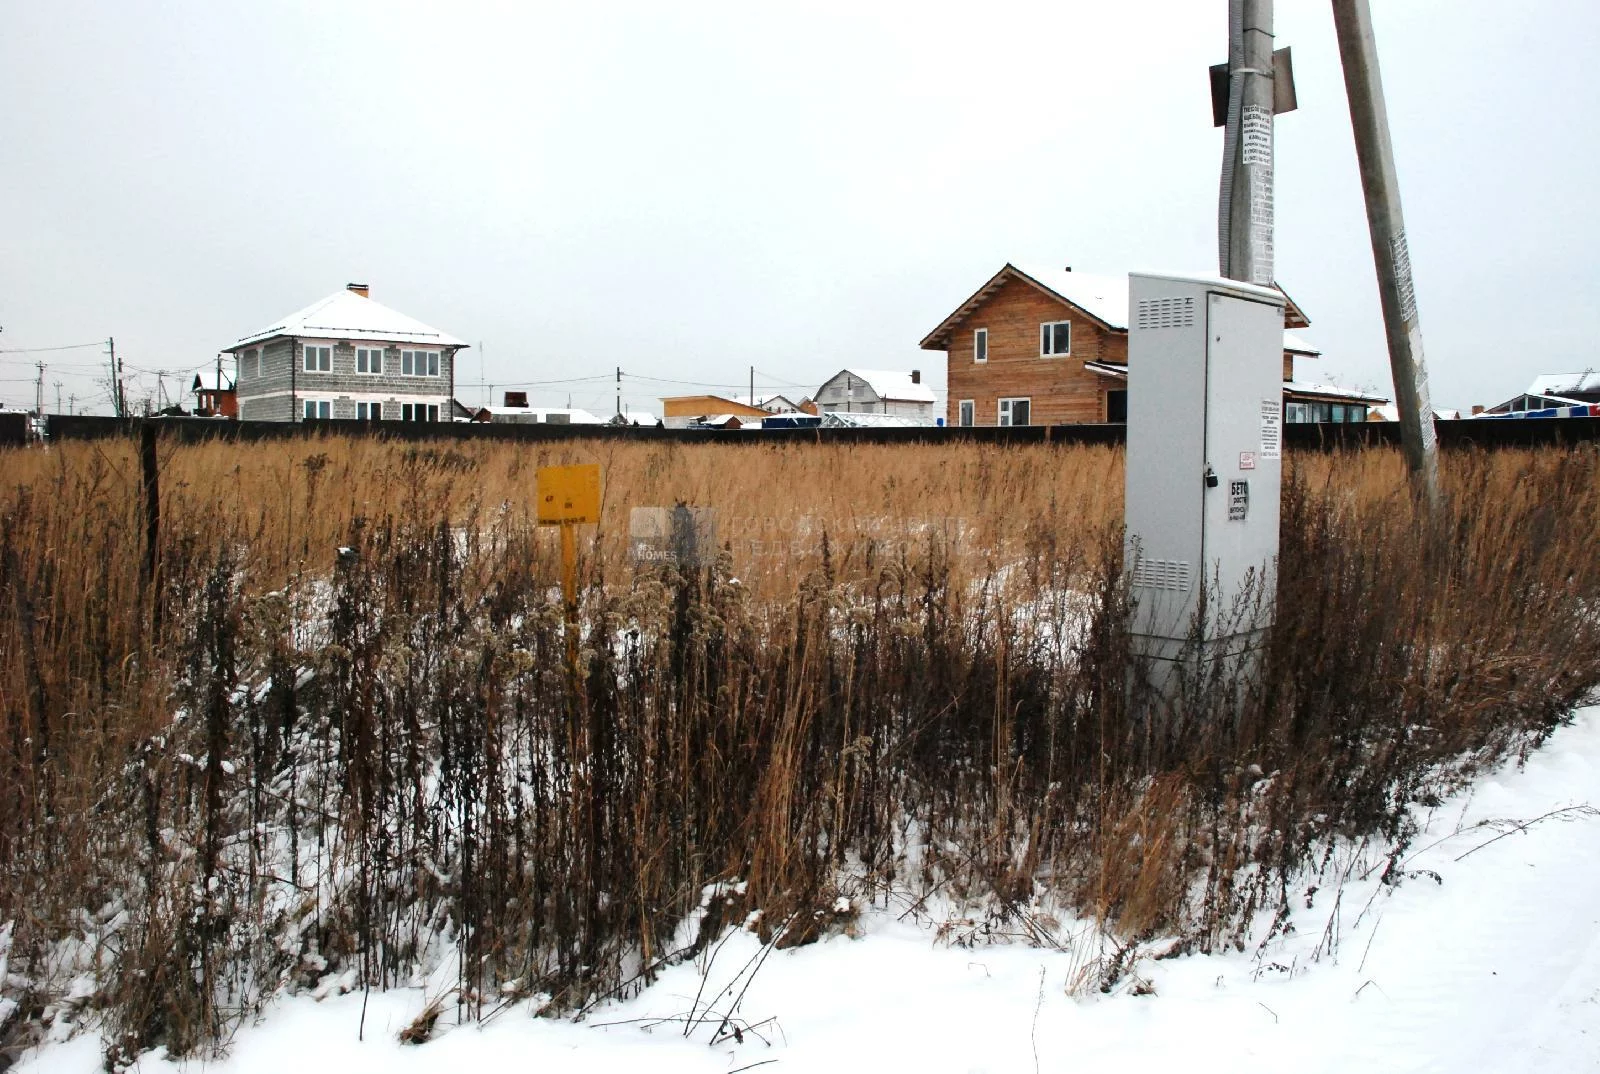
(1238,501)
(1271,429)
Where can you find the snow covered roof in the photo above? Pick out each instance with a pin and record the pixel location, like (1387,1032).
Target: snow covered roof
(889,384)
(1295,345)
(1330,391)
(1104,298)
(841,419)
(768,402)
(1561,383)
(1391,412)
(347,315)
(536,414)
(1115,370)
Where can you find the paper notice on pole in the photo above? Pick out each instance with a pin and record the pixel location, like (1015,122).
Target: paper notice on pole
(1403,282)
(1255,136)
(1272,428)
(1262,269)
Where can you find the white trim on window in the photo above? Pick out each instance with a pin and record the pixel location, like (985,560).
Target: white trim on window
(967,412)
(369,360)
(980,346)
(369,411)
(316,358)
(260,355)
(419,411)
(318,409)
(419,363)
(1051,343)
(1008,408)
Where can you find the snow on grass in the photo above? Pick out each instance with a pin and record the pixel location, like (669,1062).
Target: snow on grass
(1485,957)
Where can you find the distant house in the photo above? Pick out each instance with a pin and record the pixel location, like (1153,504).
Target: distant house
(1552,395)
(1042,347)
(779,404)
(684,411)
(535,415)
(347,356)
(214,396)
(877,391)
(1390,412)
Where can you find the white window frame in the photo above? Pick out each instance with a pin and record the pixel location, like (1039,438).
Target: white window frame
(1046,339)
(373,359)
(317,409)
(261,362)
(410,360)
(322,350)
(966,413)
(1005,409)
(366,411)
(980,346)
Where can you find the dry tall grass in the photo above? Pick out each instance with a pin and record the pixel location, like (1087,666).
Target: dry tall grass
(906,673)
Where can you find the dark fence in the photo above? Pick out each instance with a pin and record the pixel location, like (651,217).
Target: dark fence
(14,428)
(1483,433)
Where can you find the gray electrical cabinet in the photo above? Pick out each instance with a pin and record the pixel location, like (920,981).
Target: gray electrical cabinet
(1204,462)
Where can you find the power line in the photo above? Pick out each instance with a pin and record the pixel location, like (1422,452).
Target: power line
(63,347)
(529,383)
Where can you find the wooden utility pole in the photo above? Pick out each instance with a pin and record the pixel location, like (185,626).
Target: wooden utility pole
(1246,210)
(1358,52)
(118,404)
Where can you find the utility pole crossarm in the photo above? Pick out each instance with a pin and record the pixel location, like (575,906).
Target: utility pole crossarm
(1358,52)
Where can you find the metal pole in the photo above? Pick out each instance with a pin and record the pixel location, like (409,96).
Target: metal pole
(1358,51)
(619,391)
(1246,216)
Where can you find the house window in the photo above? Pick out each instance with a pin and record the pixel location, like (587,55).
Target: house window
(369,411)
(319,408)
(1014,411)
(966,412)
(261,362)
(318,359)
(369,359)
(1296,413)
(419,363)
(980,345)
(1117,406)
(1055,338)
(419,411)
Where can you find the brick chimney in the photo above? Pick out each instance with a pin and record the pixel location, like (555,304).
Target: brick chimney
(1476,410)
(916,376)
(358,288)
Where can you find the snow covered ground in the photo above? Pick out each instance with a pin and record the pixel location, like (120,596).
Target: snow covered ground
(1486,958)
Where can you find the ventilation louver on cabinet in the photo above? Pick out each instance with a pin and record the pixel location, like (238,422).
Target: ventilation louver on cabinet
(1165,313)
(1162,574)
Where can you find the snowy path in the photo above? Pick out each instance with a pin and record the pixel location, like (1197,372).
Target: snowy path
(1495,968)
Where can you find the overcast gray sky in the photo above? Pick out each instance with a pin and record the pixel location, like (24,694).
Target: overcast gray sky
(686,190)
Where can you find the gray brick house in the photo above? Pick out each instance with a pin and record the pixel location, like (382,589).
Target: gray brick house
(347,356)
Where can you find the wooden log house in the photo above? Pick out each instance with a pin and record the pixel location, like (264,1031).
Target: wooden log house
(1051,347)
